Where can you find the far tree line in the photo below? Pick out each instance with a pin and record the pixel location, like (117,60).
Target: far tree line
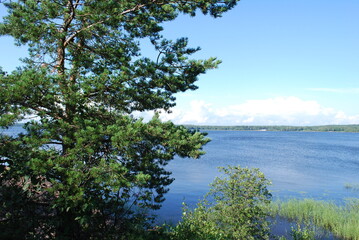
(324,128)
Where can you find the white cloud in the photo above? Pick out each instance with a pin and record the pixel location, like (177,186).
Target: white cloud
(272,111)
(197,113)
(280,106)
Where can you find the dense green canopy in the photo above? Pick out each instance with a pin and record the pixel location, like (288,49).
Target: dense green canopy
(85,167)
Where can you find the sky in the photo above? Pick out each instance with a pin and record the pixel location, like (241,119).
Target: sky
(284,62)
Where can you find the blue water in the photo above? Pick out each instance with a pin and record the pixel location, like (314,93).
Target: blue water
(299,165)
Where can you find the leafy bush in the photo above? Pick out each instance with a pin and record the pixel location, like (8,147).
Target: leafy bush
(300,233)
(234,208)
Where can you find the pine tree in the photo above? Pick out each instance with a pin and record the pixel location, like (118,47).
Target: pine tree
(85,167)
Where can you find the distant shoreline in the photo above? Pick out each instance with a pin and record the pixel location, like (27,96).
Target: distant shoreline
(325,128)
(354,128)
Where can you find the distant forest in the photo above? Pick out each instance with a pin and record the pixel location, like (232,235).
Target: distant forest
(326,128)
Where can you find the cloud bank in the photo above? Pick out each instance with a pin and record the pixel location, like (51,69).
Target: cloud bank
(272,111)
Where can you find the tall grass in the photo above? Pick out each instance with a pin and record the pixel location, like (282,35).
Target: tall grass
(342,221)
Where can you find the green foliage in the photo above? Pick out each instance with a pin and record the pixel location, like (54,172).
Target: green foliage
(235,208)
(86,168)
(2,73)
(300,233)
(342,221)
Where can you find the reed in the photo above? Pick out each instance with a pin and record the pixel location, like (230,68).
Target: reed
(342,221)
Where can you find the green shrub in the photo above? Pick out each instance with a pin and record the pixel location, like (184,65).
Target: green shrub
(234,208)
(300,233)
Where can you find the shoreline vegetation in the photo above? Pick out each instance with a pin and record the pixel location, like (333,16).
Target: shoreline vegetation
(340,220)
(323,128)
(239,206)
(309,218)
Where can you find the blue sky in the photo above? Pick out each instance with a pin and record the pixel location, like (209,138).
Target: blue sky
(285,62)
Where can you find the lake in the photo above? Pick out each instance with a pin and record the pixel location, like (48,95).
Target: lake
(299,164)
